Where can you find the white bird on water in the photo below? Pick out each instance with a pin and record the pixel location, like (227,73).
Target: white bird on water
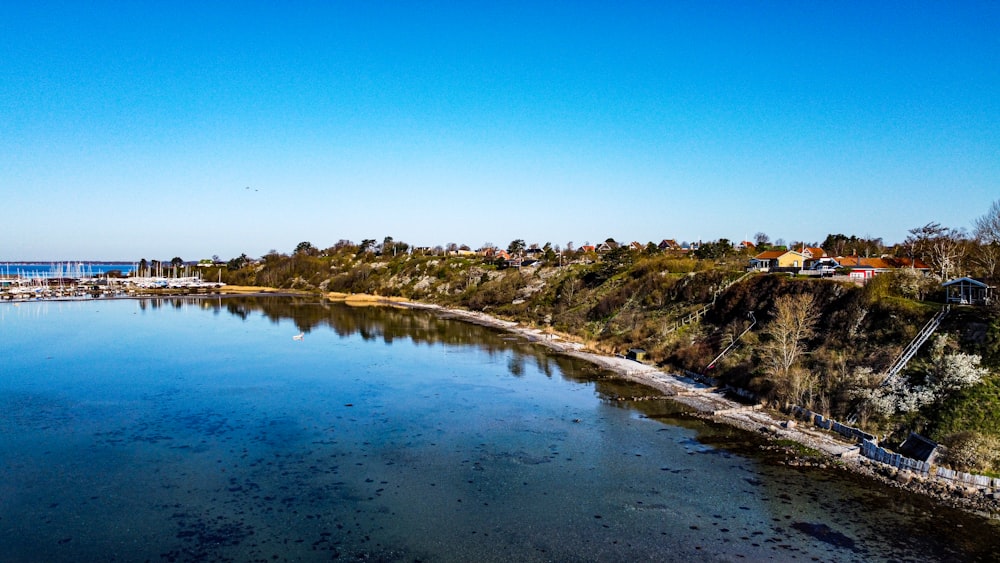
(299,336)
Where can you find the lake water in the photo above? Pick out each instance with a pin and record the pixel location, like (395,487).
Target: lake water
(200,430)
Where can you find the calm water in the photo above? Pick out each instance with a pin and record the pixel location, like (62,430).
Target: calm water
(196,430)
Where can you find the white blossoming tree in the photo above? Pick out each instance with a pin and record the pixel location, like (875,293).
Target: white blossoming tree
(948,374)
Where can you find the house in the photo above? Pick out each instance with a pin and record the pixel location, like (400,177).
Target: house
(588,248)
(813,252)
(861,269)
(967,291)
(769,260)
(605,247)
(636,246)
(668,244)
(824,265)
(746,245)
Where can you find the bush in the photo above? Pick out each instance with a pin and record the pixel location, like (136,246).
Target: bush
(972,452)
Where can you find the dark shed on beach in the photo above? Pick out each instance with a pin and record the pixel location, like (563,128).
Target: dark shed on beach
(919,448)
(636,354)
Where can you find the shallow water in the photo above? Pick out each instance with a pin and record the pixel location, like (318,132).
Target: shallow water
(199,430)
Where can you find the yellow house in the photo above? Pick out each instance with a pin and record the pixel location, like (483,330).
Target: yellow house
(775,259)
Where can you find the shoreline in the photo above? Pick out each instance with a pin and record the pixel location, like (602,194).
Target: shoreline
(706,401)
(709,404)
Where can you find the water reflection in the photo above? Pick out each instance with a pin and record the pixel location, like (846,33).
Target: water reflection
(146,430)
(389,324)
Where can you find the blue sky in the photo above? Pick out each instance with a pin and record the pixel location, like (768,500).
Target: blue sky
(134,129)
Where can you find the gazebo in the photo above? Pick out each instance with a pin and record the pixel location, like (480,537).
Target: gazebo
(967,291)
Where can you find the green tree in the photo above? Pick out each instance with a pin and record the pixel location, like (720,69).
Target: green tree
(367,245)
(238,262)
(516,247)
(548,254)
(715,250)
(304,247)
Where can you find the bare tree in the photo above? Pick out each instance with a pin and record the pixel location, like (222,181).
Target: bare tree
(987,257)
(793,324)
(568,290)
(987,227)
(941,247)
(987,235)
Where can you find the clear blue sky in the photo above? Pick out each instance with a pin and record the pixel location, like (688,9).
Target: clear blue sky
(133,129)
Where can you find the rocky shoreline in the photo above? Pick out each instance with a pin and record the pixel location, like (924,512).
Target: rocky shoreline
(711,404)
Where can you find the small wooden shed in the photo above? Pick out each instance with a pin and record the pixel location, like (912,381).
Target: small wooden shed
(919,448)
(636,354)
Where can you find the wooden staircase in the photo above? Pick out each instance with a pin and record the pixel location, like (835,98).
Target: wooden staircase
(911,349)
(696,316)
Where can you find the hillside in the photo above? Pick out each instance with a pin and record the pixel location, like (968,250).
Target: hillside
(819,343)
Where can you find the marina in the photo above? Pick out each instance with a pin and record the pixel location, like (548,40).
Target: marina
(28,281)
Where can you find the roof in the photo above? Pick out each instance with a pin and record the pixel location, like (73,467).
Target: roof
(814,251)
(917,447)
(886,263)
(967,280)
(772,254)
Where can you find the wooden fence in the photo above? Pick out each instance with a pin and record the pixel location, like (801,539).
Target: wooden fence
(871,450)
(830,424)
